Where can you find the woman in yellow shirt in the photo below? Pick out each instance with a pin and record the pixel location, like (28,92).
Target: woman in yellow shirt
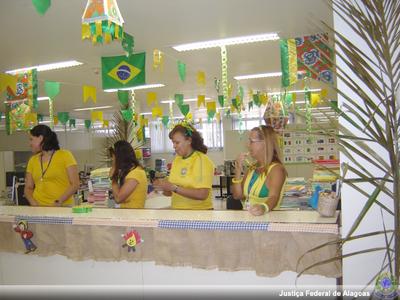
(262,184)
(52,173)
(129,181)
(190,179)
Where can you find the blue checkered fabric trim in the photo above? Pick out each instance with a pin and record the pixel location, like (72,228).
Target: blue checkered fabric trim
(212,225)
(44,219)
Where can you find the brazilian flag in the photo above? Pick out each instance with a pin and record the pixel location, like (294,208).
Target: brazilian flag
(122,71)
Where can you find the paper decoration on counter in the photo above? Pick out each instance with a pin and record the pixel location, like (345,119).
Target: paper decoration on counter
(221,100)
(156,112)
(158,59)
(165,121)
(72,122)
(151,98)
(103,20)
(89,92)
(128,43)
(96,116)
(52,89)
(201,78)
(182,70)
(315,99)
(127,114)
(26,235)
(178,99)
(26,88)
(30,120)
(123,72)
(123,97)
(201,100)
(88,124)
(7,80)
(41,6)
(310,55)
(224,72)
(106,123)
(211,109)
(184,108)
(63,117)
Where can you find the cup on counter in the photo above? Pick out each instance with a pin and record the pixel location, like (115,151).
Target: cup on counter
(327,204)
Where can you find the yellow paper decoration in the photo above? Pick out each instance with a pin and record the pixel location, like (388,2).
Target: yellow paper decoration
(218,117)
(89,91)
(264,98)
(201,78)
(151,98)
(55,118)
(96,116)
(144,122)
(324,93)
(158,59)
(138,153)
(211,106)
(85,31)
(156,112)
(315,99)
(107,38)
(201,100)
(99,30)
(30,119)
(7,80)
(294,97)
(106,123)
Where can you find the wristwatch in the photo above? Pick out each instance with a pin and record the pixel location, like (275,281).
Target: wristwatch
(175,189)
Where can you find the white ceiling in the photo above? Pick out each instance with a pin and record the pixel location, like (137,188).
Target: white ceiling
(30,39)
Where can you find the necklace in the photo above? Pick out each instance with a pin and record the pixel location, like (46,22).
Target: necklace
(48,165)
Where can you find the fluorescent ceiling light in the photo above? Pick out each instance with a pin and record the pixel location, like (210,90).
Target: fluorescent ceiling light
(47,67)
(23,100)
(93,108)
(43,98)
(261,75)
(145,113)
(139,87)
(228,41)
(296,91)
(185,100)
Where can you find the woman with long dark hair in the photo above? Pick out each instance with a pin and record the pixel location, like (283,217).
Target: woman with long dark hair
(262,184)
(52,173)
(190,179)
(129,181)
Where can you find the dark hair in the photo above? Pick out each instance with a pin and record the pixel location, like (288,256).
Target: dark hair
(50,140)
(190,132)
(125,160)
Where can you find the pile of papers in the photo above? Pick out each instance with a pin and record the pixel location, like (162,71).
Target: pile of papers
(99,186)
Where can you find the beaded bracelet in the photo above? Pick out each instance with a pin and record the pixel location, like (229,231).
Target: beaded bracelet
(265,206)
(234,180)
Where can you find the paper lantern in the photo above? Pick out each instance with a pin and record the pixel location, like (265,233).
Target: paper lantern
(102,21)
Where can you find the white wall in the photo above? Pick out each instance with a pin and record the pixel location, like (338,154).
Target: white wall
(361,268)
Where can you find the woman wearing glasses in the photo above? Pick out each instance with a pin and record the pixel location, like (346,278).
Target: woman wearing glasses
(262,184)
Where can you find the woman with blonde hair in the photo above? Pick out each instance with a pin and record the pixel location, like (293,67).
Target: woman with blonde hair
(262,184)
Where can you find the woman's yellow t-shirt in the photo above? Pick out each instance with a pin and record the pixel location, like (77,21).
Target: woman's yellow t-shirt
(195,171)
(138,196)
(55,179)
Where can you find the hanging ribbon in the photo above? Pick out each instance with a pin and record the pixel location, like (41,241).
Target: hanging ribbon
(224,72)
(158,59)
(182,70)
(51,113)
(89,92)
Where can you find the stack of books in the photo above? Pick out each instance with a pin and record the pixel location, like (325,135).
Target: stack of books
(99,187)
(325,174)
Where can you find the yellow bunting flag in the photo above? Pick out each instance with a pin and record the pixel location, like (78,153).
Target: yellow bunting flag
(144,122)
(324,93)
(151,98)
(30,119)
(201,78)
(7,80)
(315,99)
(89,92)
(218,117)
(233,108)
(138,153)
(294,97)
(201,100)
(158,59)
(55,120)
(99,30)
(211,106)
(156,112)
(96,116)
(107,38)
(106,123)
(189,117)
(85,31)
(264,98)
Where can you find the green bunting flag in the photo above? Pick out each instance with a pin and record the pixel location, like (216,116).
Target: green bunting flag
(123,97)
(250,105)
(128,43)
(52,88)
(165,120)
(182,70)
(256,99)
(184,108)
(288,99)
(127,114)
(63,117)
(40,117)
(123,72)
(41,6)
(178,99)
(72,123)
(221,100)
(88,123)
